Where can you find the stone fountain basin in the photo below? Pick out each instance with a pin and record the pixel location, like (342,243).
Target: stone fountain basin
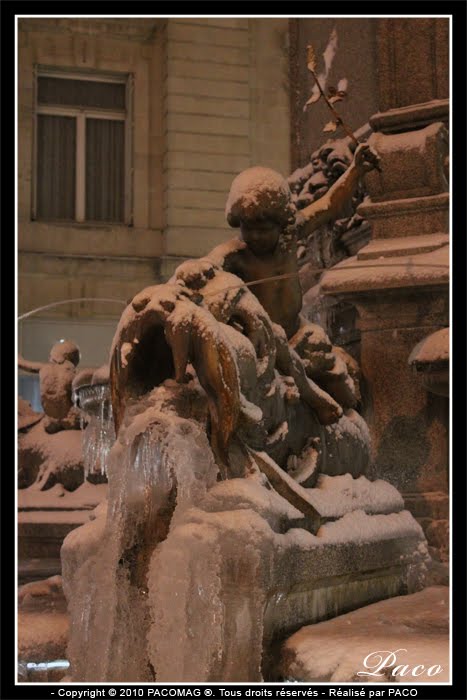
(241,588)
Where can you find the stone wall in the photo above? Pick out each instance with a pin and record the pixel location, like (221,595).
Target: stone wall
(207,98)
(413,61)
(356,60)
(226,107)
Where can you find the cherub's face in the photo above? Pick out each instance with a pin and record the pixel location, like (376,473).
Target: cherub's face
(261,236)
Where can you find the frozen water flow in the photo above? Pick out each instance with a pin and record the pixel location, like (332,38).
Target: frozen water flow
(157,468)
(99,433)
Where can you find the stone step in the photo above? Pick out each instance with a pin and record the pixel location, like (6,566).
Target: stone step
(34,569)
(41,533)
(409,245)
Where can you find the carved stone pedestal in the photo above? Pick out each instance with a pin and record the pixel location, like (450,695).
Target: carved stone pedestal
(399,284)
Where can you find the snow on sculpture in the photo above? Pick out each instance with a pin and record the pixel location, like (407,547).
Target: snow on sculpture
(50,448)
(205,316)
(231,413)
(60,446)
(56,378)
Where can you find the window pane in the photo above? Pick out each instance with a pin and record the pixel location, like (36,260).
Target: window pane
(56,159)
(81,93)
(105,181)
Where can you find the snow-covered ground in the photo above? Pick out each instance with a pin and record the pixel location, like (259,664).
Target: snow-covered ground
(410,632)
(43,627)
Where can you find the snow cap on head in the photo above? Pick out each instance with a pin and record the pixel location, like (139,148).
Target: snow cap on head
(260,193)
(65,350)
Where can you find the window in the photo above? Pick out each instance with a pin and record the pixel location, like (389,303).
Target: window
(82,148)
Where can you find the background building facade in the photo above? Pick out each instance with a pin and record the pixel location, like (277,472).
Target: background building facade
(130,132)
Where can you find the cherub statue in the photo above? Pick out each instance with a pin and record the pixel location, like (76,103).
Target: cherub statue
(235,316)
(260,204)
(265,257)
(56,377)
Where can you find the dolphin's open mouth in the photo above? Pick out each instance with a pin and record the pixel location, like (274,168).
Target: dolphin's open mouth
(160,333)
(150,363)
(142,359)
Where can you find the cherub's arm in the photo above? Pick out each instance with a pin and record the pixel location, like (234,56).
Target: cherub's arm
(329,206)
(28,366)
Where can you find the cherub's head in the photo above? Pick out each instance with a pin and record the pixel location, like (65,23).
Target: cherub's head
(260,235)
(64,351)
(260,203)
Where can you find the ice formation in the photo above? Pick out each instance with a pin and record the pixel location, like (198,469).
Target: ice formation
(97,426)
(159,466)
(228,582)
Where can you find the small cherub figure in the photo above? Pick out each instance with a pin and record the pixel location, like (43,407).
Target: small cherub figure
(260,204)
(56,377)
(265,258)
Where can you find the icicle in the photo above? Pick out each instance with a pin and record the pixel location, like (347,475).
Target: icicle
(101,453)
(99,434)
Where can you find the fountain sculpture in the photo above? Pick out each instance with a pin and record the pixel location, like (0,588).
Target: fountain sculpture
(61,458)
(238,506)
(45,457)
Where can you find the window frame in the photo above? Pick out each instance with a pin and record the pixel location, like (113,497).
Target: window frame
(81,114)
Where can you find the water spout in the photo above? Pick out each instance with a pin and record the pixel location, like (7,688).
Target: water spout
(68,301)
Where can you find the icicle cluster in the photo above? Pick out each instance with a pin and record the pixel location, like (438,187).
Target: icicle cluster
(97,424)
